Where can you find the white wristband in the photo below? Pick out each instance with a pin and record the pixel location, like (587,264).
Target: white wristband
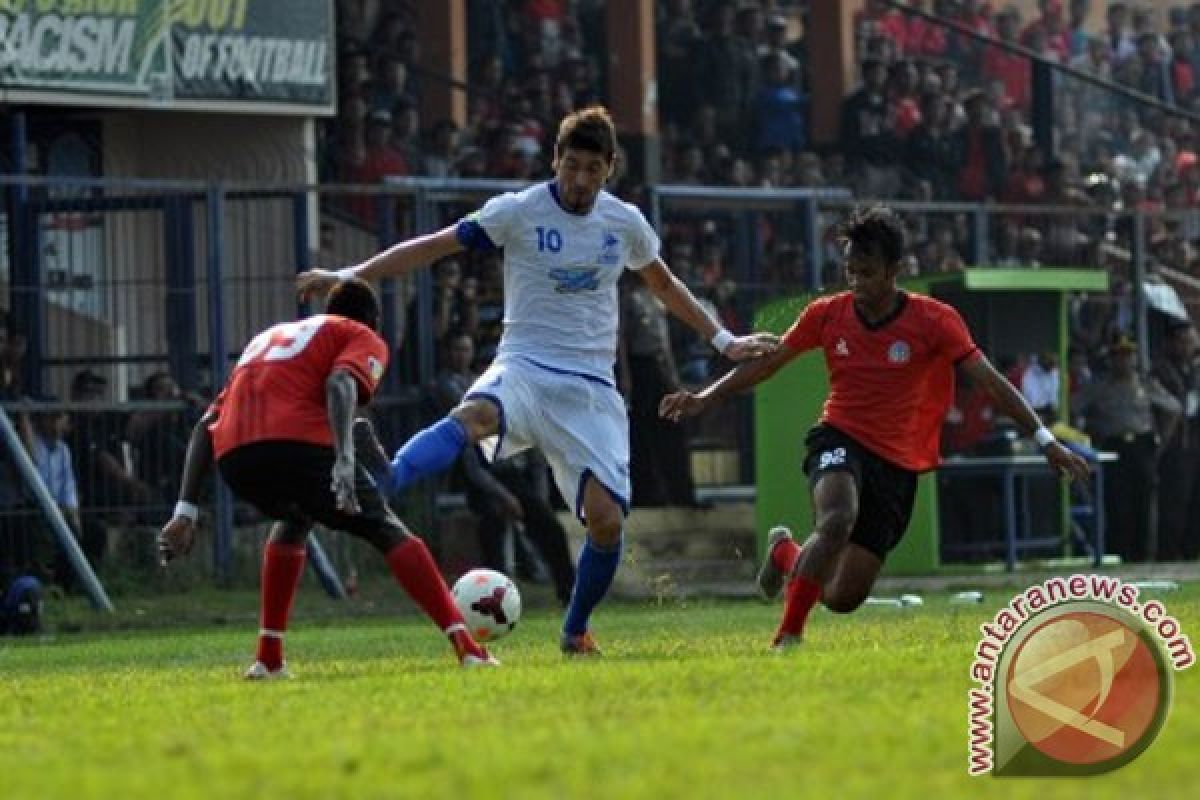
(1043,436)
(721,340)
(346,273)
(185,509)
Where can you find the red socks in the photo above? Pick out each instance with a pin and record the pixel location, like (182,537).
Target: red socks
(283,564)
(785,554)
(415,570)
(802,595)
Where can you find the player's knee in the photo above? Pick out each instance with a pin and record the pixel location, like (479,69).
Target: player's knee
(604,528)
(837,523)
(842,602)
(385,536)
(480,418)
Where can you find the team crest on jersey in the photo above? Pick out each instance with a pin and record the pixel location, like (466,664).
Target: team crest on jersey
(375,366)
(842,349)
(610,250)
(575,279)
(899,353)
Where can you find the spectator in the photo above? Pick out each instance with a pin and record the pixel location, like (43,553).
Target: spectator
(780,118)
(52,457)
(983,168)
(159,437)
(1179,467)
(440,160)
(868,140)
(932,154)
(659,459)
(1040,383)
(454,309)
(729,73)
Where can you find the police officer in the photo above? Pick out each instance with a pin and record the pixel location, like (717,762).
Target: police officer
(1119,413)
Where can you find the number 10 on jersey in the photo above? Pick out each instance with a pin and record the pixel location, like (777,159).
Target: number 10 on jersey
(548,239)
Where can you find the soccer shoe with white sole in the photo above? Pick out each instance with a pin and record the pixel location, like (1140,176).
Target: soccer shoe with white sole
(579,645)
(770,577)
(470,653)
(260,672)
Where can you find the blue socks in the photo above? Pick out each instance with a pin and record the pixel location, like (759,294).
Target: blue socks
(429,452)
(597,568)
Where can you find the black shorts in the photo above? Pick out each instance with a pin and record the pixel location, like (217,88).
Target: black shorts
(290,481)
(886,492)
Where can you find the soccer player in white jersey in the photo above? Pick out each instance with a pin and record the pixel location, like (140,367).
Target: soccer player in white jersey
(566,243)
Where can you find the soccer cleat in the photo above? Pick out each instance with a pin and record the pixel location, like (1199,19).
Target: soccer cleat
(770,577)
(470,653)
(581,645)
(260,672)
(785,642)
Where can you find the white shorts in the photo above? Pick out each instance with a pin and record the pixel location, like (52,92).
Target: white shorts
(577,421)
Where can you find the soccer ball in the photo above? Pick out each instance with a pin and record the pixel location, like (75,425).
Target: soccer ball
(489,602)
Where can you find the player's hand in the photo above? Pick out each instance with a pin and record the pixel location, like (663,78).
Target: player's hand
(314,283)
(342,485)
(1067,463)
(752,346)
(680,405)
(175,539)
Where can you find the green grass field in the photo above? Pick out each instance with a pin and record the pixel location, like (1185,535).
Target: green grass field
(686,703)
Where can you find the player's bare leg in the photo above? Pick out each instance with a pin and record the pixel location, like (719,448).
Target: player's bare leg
(853,579)
(835,498)
(598,561)
(282,566)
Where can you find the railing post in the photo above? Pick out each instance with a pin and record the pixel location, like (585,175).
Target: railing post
(218,355)
(812,242)
(424,221)
(1141,329)
(385,218)
(179,245)
(979,234)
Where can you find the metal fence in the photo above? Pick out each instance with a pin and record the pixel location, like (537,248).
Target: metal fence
(122,314)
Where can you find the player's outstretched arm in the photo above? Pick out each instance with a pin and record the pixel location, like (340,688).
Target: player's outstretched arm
(680,301)
(396,260)
(176,537)
(341,400)
(683,404)
(1013,404)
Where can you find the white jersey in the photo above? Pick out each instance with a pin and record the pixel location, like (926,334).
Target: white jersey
(560,275)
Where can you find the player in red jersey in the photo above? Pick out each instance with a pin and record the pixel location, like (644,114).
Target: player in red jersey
(283,435)
(891,357)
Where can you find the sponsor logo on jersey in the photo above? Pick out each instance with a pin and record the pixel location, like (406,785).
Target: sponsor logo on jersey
(570,280)
(899,353)
(610,250)
(375,366)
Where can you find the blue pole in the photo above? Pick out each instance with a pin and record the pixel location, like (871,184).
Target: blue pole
(303,255)
(218,356)
(53,515)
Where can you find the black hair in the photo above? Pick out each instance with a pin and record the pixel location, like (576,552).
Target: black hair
(356,300)
(875,231)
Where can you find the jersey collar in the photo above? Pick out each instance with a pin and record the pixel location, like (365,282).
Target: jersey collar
(553,187)
(901,304)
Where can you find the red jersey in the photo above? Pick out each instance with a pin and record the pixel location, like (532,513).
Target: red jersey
(892,382)
(277,389)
